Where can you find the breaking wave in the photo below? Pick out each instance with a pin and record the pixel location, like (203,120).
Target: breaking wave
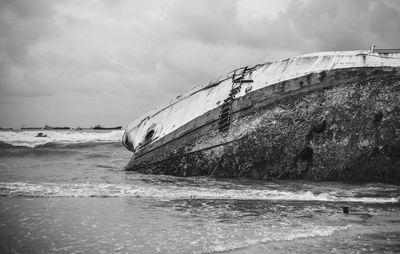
(57,139)
(24,189)
(56,148)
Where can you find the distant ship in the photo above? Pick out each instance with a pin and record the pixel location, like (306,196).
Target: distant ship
(23,127)
(320,116)
(47,127)
(99,127)
(5,129)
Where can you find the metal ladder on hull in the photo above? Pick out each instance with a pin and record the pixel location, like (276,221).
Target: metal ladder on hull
(226,107)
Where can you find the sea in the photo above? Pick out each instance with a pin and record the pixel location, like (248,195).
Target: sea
(69,192)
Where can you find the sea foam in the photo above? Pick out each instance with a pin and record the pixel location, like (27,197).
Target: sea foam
(294,234)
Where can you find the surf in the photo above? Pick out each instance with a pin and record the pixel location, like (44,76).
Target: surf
(57,138)
(171,192)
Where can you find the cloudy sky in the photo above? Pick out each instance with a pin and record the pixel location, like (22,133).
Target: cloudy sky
(81,63)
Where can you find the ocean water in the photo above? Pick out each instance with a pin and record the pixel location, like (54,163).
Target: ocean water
(69,193)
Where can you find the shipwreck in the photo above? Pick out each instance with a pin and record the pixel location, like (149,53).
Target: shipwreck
(320,116)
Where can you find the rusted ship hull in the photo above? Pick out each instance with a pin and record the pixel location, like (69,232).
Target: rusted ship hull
(336,124)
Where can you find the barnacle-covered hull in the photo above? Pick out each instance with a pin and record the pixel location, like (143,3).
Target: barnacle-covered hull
(327,116)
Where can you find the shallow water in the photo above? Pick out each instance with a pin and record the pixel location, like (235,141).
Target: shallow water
(70,195)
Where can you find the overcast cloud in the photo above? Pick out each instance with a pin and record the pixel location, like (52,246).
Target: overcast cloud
(81,63)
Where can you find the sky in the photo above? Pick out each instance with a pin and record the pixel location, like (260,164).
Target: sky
(82,63)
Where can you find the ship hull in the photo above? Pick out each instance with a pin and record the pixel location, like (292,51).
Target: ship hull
(341,124)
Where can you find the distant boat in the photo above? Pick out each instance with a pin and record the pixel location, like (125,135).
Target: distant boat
(47,127)
(30,128)
(5,129)
(99,127)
